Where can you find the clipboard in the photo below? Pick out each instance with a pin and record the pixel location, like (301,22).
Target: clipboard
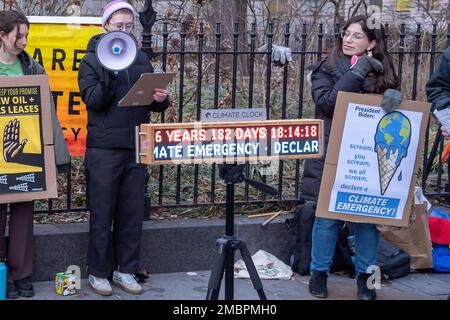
(141,94)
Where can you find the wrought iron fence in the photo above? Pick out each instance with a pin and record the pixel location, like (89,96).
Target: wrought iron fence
(219,72)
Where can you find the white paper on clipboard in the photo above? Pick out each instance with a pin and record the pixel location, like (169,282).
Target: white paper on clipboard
(141,94)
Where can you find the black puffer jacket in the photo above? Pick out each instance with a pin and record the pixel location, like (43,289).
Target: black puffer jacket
(110,126)
(438,87)
(326,81)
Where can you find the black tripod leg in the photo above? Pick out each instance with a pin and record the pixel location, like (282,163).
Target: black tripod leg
(229,275)
(257,284)
(217,273)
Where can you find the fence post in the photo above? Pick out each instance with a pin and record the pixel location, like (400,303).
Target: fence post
(250,93)
(301,92)
(180,101)
(200,36)
(165,35)
(147,19)
(416,61)
(401,52)
(218,34)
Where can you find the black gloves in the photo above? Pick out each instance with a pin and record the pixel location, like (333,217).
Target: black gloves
(109,79)
(391,100)
(366,64)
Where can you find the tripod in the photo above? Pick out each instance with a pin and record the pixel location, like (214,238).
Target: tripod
(229,243)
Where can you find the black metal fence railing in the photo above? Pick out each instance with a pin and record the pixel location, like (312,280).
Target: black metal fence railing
(220,71)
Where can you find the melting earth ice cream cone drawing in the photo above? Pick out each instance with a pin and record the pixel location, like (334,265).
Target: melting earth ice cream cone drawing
(392,140)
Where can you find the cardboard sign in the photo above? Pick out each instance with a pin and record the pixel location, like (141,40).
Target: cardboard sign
(141,94)
(27,162)
(372,160)
(230,142)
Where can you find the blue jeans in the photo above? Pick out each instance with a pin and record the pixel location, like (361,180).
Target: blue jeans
(324,237)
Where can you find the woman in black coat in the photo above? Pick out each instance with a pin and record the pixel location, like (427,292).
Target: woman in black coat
(438,87)
(116,182)
(372,71)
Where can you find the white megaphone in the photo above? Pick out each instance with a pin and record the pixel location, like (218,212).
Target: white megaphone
(116,50)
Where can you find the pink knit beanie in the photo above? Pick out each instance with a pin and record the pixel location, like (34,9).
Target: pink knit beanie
(114,6)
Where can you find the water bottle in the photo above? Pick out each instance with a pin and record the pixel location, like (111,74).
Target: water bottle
(3,280)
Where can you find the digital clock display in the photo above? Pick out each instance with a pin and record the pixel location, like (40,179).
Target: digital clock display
(222,142)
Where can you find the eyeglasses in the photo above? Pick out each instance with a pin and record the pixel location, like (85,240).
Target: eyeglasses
(122,27)
(355,36)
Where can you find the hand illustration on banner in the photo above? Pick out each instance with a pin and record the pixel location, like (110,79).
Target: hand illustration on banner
(392,140)
(12,147)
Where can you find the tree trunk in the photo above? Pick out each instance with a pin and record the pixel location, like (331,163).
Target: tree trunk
(227,13)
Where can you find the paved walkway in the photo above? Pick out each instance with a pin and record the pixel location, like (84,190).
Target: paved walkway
(193,286)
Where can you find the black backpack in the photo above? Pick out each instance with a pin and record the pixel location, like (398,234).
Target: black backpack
(300,250)
(344,253)
(393,262)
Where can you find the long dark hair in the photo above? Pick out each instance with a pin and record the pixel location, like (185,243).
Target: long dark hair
(12,19)
(379,82)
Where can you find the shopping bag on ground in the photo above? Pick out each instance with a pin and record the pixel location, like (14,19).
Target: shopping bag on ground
(267,265)
(415,239)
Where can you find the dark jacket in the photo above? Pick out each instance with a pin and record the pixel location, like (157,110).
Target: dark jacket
(110,126)
(438,87)
(62,156)
(326,81)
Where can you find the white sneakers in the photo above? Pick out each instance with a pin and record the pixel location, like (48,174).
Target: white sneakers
(125,281)
(100,286)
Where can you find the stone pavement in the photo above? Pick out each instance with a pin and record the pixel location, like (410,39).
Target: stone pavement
(193,286)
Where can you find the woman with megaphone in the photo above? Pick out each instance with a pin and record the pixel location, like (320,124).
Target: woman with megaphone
(116,183)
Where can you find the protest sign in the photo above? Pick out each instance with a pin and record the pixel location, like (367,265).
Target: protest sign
(27,162)
(372,161)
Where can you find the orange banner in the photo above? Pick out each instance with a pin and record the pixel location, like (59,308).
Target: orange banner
(59,44)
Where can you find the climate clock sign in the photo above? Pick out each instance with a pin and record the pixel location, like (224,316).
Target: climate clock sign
(229,142)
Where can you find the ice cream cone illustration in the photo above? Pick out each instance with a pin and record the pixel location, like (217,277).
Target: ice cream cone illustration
(392,140)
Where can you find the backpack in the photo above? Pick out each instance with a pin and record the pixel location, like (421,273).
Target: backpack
(344,254)
(441,257)
(439,222)
(393,261)
(300,249)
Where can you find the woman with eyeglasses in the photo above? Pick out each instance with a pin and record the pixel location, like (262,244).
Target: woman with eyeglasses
(116,183)
(359,63)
